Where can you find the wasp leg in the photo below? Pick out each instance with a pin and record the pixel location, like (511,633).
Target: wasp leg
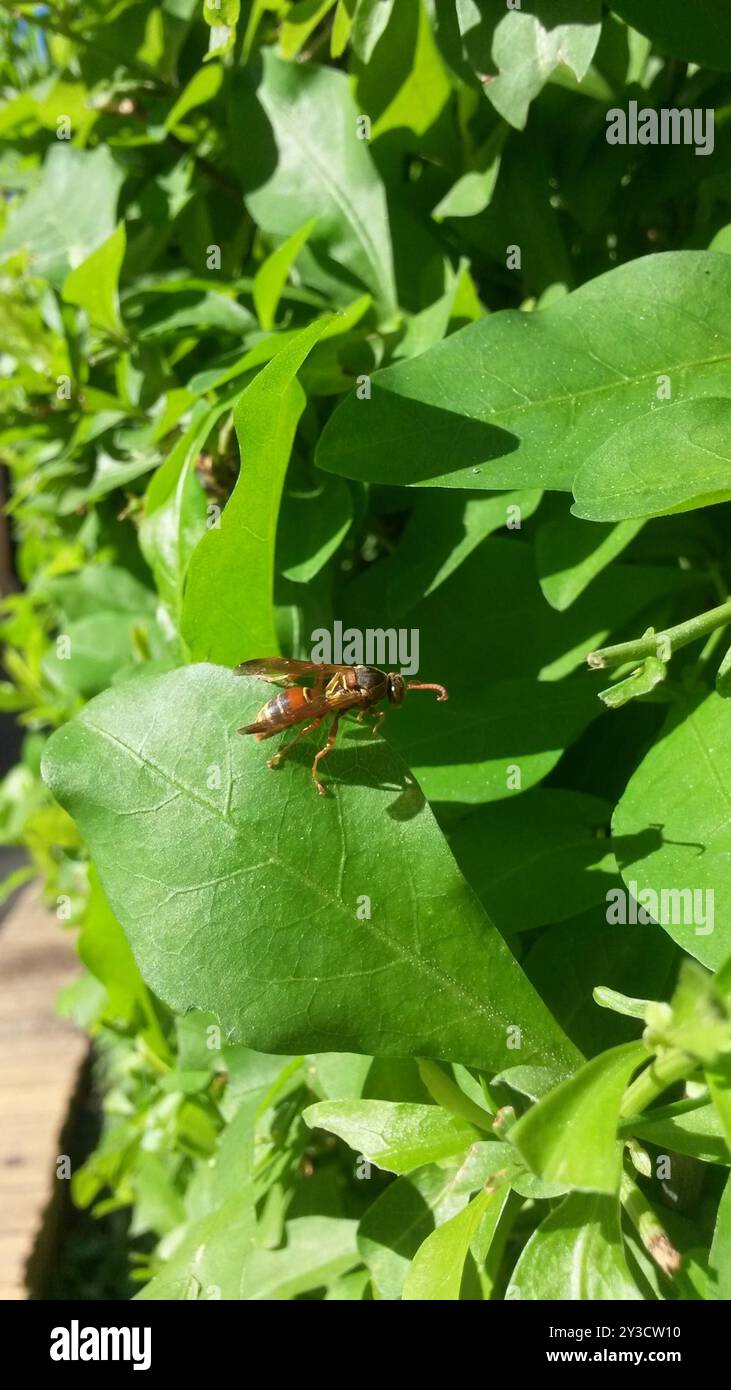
(378,714)
(282,753)
(323,752)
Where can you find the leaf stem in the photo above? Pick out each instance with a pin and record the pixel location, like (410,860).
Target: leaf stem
(662,644)
(662,1072)
(653,1236)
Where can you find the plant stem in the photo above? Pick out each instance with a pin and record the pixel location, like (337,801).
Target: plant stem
(661,1073)
(653,1236)
(670,639)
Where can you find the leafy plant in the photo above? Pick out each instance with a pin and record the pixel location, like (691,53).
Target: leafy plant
(349,313)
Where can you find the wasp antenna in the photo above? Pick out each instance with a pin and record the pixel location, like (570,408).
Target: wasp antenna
(443,693)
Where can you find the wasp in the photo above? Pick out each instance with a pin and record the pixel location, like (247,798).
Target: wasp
(334,690)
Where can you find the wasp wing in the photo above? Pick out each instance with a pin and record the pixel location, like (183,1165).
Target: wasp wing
(282,670)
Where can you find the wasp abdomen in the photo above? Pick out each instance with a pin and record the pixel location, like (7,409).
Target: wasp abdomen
(283,709)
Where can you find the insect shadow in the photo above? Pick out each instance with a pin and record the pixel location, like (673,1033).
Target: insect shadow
(629,849)
(363,761)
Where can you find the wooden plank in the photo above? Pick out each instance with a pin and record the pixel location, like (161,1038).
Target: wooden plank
(39,1071)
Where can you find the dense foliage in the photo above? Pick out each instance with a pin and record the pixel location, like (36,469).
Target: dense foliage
(320,312)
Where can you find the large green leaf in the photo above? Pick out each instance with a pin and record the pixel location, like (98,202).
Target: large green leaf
(628,475)
(240,890)
(601,953)
(228,608)
(671,830)
(539,858)
(521,399)
(289,177)
(495,742)
(506,657)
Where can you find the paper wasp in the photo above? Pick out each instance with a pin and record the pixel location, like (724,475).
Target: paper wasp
(335,690)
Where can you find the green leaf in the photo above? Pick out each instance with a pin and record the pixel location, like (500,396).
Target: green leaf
(93,285)
(601,953)
(399,1221)
(514,703)
(207,1261)
(82,594)
(651,673)
(71,211)
(105,951)
(539,858)
(394,1136)
(530,395)
(315,517)
(369,23)
(723,676)
(404,86)
(506,740)
(576,1255)
(228,612)
(702,34)
(569,556)
(670,834)
(300,22)
(455,527)
(528,47)
(697,1132)
(342,25)
(90,651)
(109,474)
(718,1077)
(271,277)
(289,177)
(720,1256)
(317,1249)
(218,13)
(628,475)
(442,983)
(586,1107)
(437,1269)
(175,510)
(204,85)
